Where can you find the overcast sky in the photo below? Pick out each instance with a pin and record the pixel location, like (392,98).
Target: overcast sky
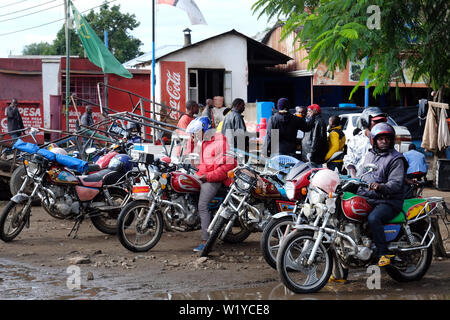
(221,16)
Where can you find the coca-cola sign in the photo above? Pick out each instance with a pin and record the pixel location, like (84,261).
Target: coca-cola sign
(173,87)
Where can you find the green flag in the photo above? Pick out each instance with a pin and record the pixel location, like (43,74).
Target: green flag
(96,51)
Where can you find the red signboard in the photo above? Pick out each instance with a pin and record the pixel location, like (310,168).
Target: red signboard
(31,113)
(173,86)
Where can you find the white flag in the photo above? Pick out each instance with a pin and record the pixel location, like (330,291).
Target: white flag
(193,12)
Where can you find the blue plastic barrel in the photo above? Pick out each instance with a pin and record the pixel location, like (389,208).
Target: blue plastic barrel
(264,110)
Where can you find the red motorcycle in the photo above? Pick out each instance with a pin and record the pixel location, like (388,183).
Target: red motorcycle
(166,198)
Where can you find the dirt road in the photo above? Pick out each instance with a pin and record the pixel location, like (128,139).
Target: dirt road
(39,264)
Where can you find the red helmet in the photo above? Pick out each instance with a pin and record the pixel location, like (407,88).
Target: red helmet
(382,128)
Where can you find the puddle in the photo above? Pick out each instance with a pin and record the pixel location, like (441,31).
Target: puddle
(21,281)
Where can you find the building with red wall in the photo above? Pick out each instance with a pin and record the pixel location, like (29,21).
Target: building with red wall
(39,85)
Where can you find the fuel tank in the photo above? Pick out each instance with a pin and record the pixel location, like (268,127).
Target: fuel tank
(355,207)
(61,176)
(184,183)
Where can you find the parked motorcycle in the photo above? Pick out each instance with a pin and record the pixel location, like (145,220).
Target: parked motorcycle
(252,199)
(167,198)
(98,196)
(340,234)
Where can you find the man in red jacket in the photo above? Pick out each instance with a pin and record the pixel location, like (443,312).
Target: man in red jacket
(212,170)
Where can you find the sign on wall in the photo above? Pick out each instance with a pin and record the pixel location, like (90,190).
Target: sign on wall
(173,86)
(31,113)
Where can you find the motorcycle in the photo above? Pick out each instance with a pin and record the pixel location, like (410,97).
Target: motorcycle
(252,199)
(339,234)
(98,196)
(281,223)
(166,198)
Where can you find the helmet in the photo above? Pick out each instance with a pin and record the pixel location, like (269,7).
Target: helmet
(59,151)
(121,163)
(325,179)
(201,123)
(382,128)
(372,113)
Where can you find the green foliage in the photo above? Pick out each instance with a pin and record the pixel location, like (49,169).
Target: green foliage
(41,48)
(412,35)
(122,45)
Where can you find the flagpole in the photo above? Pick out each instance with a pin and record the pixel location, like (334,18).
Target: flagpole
(153,64)
(67,14)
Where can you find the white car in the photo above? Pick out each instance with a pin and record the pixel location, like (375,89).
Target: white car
(350,121)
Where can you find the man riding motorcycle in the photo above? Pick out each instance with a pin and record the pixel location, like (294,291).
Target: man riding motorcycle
(386,185)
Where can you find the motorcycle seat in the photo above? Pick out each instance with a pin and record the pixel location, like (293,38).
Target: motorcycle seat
(94,180)
(92,167)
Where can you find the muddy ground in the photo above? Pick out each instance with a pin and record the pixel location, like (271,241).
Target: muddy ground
(35,266)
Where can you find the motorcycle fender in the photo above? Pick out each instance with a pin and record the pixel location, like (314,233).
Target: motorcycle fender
(20,198)
(283,214)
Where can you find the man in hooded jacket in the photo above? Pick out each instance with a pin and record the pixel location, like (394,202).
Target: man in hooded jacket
(287,125)
(315,142)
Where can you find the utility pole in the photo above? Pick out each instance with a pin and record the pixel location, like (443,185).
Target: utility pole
(67,15)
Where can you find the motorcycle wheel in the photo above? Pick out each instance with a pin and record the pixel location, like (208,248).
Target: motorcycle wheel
(291,263)
(107,222)
(16,181)
(237,234)
(271,238)
(220,224)
(12,221)
(416,262)
(130,230)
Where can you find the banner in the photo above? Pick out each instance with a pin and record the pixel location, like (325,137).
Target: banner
(173,86)
(193,12)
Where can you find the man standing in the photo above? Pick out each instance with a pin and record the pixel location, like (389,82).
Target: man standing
(192,109)
(234,125)
(287,125)
(14,119)
(86,118)
(315,142)
(209,112)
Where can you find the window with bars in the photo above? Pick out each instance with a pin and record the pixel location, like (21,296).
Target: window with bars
(84,87)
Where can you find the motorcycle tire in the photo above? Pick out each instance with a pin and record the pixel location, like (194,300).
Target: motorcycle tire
(218,227)
(9,211)
(125,221)
(239,236)
(426,256)
(288,269)
(100,222)
(16,181)
(271,239)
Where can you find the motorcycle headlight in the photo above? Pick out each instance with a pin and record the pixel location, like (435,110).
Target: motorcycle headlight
(316,196)
(244,186)
(244,181)
(155,185)
(32,168)
(289,188)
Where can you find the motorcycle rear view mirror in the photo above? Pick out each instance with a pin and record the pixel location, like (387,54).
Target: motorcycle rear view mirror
(368,168)
(146,158)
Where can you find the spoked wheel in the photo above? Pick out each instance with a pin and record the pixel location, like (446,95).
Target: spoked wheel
(107,221)
(410,265)
(12,220)
(133,234)
(292,263)
(271,238)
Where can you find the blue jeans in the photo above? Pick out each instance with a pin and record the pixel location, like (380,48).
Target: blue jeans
(378,217)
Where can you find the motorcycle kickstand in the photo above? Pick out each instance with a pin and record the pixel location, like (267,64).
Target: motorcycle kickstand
(75,228)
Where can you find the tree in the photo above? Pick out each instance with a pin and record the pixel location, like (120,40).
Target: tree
(122,45)
(394,36)
(41,48)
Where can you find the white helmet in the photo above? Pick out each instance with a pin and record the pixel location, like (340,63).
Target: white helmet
(59,151)
(325,179)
